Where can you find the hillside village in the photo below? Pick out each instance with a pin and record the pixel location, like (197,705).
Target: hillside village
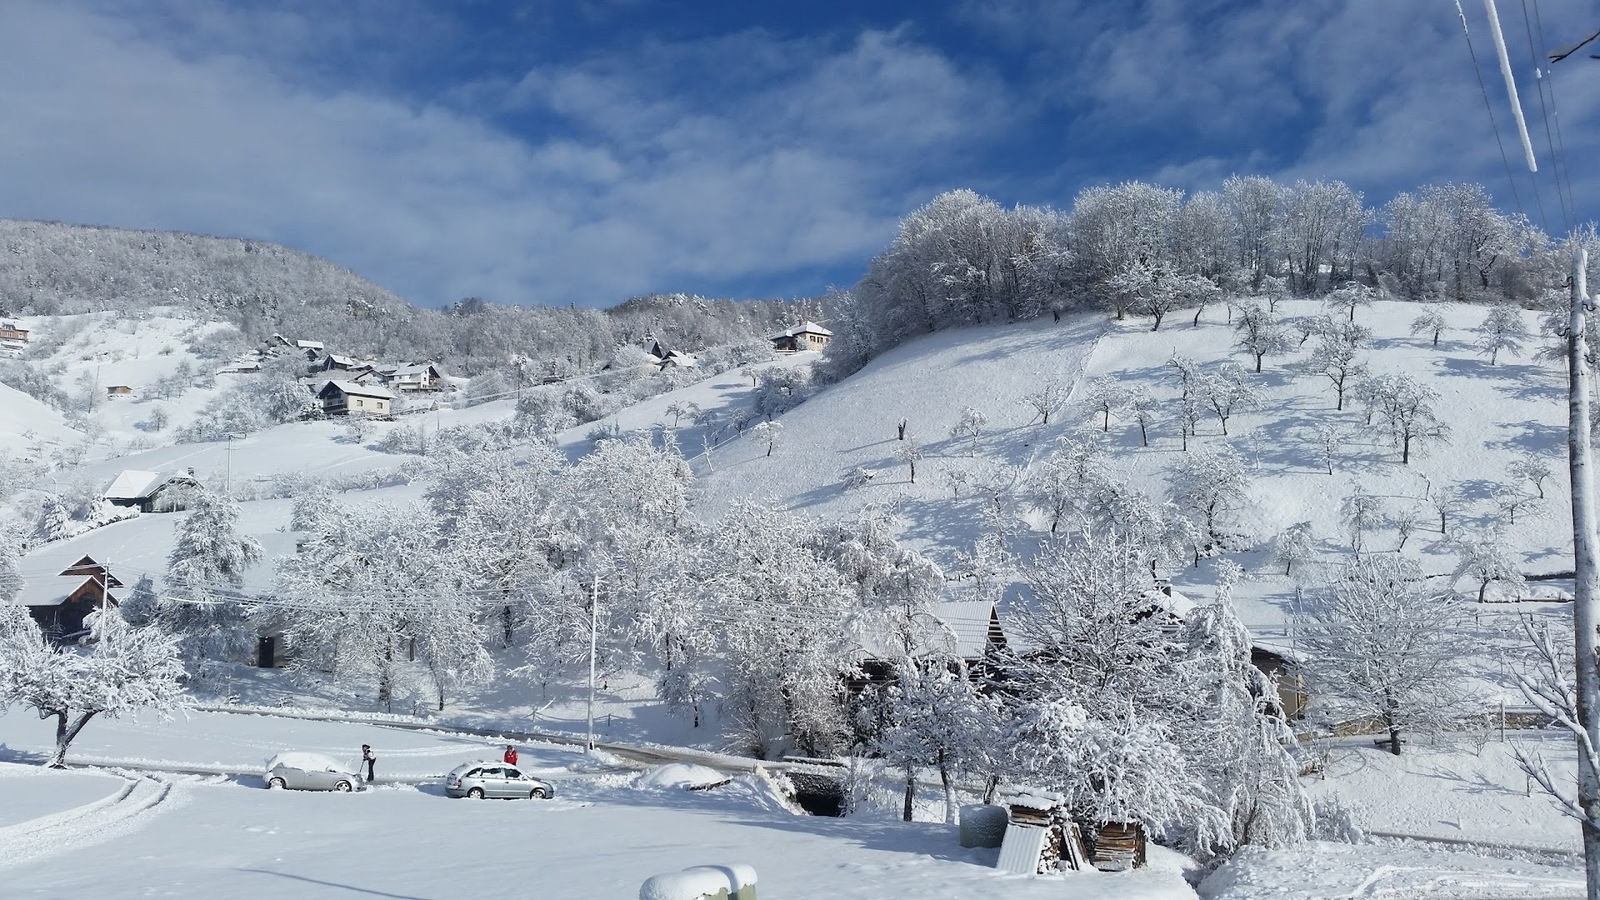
(618,457)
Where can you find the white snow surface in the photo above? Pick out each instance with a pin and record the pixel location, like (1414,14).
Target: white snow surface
(679,775)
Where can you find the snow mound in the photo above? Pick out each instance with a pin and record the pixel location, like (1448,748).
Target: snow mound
(679,775)
(700,881)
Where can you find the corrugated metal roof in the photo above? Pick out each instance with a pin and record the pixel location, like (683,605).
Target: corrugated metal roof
(1021,849)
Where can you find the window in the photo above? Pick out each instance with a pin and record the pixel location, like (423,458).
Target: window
(491,773)
(513,773)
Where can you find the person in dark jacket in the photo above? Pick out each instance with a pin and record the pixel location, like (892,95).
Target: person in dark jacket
(368,758)
(510,756)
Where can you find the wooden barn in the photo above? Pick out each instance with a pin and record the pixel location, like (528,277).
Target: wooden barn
(60,603)
(152,491)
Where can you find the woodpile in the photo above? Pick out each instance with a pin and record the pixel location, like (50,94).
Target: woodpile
(1062,846)
(1118,846)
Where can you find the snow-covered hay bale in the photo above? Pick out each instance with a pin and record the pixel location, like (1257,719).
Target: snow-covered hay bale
(681,775)
(735,882)
(983,825)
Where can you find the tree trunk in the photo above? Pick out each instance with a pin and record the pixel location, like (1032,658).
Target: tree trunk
(1144,436)
(65,734)
(949,794)
(1105,424)
(911,792)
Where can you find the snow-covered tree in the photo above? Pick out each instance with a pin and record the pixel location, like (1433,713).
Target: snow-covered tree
(1533,469)
(1431,322)
(1292,545)
(1210,487)
(1407,407)
(1240,735)
(1502,329)
(1335,356)
(1329,440)
(1260,335)
(768,433)
(969,427)
(1486,559)
(1404,518)
(1047,397)
(205,570)
(1510,500)
(124,670)
(1382,644)
(1447,501)
(1351,296)
(1104,396)
(909,452)
(1360,512)
(936,717)
(55,521)
(1228,390)
(1145,410)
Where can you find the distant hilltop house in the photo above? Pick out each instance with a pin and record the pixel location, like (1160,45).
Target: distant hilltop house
(805,336)
(243,364)
(416,377)
(119,390)
(59,603)
(312,349)
(678,360)
(345,398)
(151,491)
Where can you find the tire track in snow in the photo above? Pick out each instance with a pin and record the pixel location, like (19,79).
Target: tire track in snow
(130,808)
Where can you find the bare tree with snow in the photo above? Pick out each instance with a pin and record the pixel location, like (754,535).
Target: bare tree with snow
(1430,322)
(1050,395)
(768,432)
(1360,512)
(969,428)
(1293,545)
(1382,644)
(1260,335)
(1351,296)
(1227,390)
(1533,469)
(1486,559)
(1145,410)
(1329,440)
(1502,330)
(1407,406)
(1105,396)
(1210,486)
(909,452)
(1335,356)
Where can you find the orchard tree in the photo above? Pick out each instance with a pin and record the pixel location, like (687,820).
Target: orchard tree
(1533,469)
(1350,296)
(1407,406)
(1259,335)
(938,719)
(1486,559)
(1049,396)
(1105,396)
(1228,390)
(1382,644)
(1431,322)
(768,433)
(1210,486)
(1145,410)
(1293,545)
(969,427)
(908,452)
(1502,329)
(1335,356)
(1360,512)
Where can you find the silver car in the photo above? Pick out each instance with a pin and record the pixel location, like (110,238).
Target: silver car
(491,779)
(309,772)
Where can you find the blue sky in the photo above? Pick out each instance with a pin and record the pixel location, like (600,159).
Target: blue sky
(589,150)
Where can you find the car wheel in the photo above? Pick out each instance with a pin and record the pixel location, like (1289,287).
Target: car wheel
(538,794)
(276,784)
(342,787)
(475,793)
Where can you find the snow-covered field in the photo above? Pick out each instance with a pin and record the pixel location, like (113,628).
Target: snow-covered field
(602,836)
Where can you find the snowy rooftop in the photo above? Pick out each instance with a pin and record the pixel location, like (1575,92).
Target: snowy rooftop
(960,627)
(806,327)
(308,345)
(361,390)
(133,484)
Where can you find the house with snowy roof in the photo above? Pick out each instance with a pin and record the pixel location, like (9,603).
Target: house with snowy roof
(807,335)
(60,603)
(416,377)
(152,491)
(968,630)
(333,362)
(346,398)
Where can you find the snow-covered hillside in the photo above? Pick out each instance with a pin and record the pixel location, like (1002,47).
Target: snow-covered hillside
(1496,413)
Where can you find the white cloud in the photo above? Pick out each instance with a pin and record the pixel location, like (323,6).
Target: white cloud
(589,183)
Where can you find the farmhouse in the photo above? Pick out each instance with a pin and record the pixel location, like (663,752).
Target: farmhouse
(417,377)
(60,603)
(968,630)
(334,363)
(312,349)
(12,333)
(678,360)
(807,335)
(152,491)
(345,398)
(119,390)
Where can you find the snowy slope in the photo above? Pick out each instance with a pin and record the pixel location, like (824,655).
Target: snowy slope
(29,429)
(1496,412)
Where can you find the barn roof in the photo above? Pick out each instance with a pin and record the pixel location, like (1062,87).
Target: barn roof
(416,369)
(958,627)
(308,345)
(53,590)
(133,484)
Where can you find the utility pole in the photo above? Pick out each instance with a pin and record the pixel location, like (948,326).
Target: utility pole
(594,623)
(1586,582)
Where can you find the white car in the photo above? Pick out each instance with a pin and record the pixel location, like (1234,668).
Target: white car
(304,771)
(491,779)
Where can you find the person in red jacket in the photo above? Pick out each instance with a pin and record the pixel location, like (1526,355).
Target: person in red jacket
(510,755)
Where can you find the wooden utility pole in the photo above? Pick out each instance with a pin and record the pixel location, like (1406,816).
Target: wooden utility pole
(1586,608)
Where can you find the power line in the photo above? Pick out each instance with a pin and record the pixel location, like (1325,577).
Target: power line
(1555,114)
(1556,162)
